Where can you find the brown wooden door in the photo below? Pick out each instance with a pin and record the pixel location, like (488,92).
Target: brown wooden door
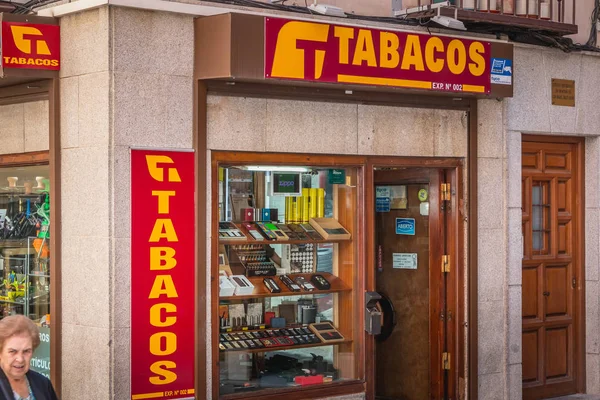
(552,268)
(409,362)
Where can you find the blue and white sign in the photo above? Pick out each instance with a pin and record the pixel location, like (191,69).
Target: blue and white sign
(501,71)
(383,204)
(405,226)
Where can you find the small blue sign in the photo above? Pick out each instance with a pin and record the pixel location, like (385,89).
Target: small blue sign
(502,71)
(383,204)
(405,226)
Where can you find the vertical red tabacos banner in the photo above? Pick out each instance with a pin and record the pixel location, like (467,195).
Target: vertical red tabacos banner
(162,274)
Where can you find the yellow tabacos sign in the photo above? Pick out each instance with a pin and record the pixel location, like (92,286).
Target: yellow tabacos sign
(344,54)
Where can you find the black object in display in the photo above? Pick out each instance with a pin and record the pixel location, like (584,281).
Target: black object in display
(320,282)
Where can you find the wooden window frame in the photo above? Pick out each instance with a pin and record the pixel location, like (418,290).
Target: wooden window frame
(200,124)
(357,385)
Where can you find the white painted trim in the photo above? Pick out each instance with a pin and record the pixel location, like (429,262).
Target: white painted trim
(155,5)
(70,8)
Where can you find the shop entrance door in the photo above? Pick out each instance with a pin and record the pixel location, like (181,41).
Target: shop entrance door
(413,356)
(553,353)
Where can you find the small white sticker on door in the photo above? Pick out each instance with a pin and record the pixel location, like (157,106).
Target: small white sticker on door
(424,208)
(405,260)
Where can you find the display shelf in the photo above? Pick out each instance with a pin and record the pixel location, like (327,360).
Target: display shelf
(282,391)
(250,240)
(12,243)
(20,303)
(26,264)
(39,274)
(277,348)
(260,290)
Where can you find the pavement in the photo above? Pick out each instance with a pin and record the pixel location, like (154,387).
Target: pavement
(577,397)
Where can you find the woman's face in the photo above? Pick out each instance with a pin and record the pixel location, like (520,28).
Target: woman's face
(16,355)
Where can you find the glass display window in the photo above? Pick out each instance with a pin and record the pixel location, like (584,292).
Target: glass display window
(25,251)
(286,316)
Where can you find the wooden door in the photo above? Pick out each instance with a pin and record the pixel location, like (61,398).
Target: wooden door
(552,268)
(409,362)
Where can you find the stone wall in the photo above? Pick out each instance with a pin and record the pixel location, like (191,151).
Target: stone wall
(335,128)
(127,82)
(116,93)
(24,127)
(530,111)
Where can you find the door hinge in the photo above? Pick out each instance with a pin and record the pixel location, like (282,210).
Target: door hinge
(445,360)
(445,263)
(445,190)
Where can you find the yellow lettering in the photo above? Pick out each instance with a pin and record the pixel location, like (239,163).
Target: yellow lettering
(477,66)
(163,229)
(163,285)
(344,34)
(30,61)
(54,63)
(365,50)
(24,45)
(163,200)
(288,60)
(388,48)
(161,368)
(7,60)
(412,54)
(434,44)
(457,57)
(14,60)
(22,61)
(156,315)
(156,343)
(158,173)
(162,258)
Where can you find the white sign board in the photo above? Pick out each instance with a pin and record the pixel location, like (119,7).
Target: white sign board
(405,260)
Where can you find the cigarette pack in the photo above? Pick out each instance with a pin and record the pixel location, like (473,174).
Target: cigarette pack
(242,285)
(226,288)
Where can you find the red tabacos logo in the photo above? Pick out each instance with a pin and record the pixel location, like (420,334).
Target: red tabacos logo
(30,46)
(302,50)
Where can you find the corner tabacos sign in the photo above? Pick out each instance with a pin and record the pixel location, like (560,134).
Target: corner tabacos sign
(310,51)
(30,46)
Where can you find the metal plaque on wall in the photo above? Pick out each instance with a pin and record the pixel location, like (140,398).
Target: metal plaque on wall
(563,92)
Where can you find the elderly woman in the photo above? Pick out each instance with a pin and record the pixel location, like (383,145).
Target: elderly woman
(19,337)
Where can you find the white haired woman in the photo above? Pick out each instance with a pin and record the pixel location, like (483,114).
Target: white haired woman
(19,337)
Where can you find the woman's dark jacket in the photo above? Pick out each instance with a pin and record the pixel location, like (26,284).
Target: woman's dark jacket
(40,386)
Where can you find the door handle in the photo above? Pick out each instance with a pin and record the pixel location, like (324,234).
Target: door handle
(546,294)
(389,318)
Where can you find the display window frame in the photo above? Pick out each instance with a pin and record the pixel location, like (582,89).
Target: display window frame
(35,87)
(468,206)
(30,159)
(358,242)
(364,344)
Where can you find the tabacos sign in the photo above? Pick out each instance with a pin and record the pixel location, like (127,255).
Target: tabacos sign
(162,274)
(320,52)
(30,46)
